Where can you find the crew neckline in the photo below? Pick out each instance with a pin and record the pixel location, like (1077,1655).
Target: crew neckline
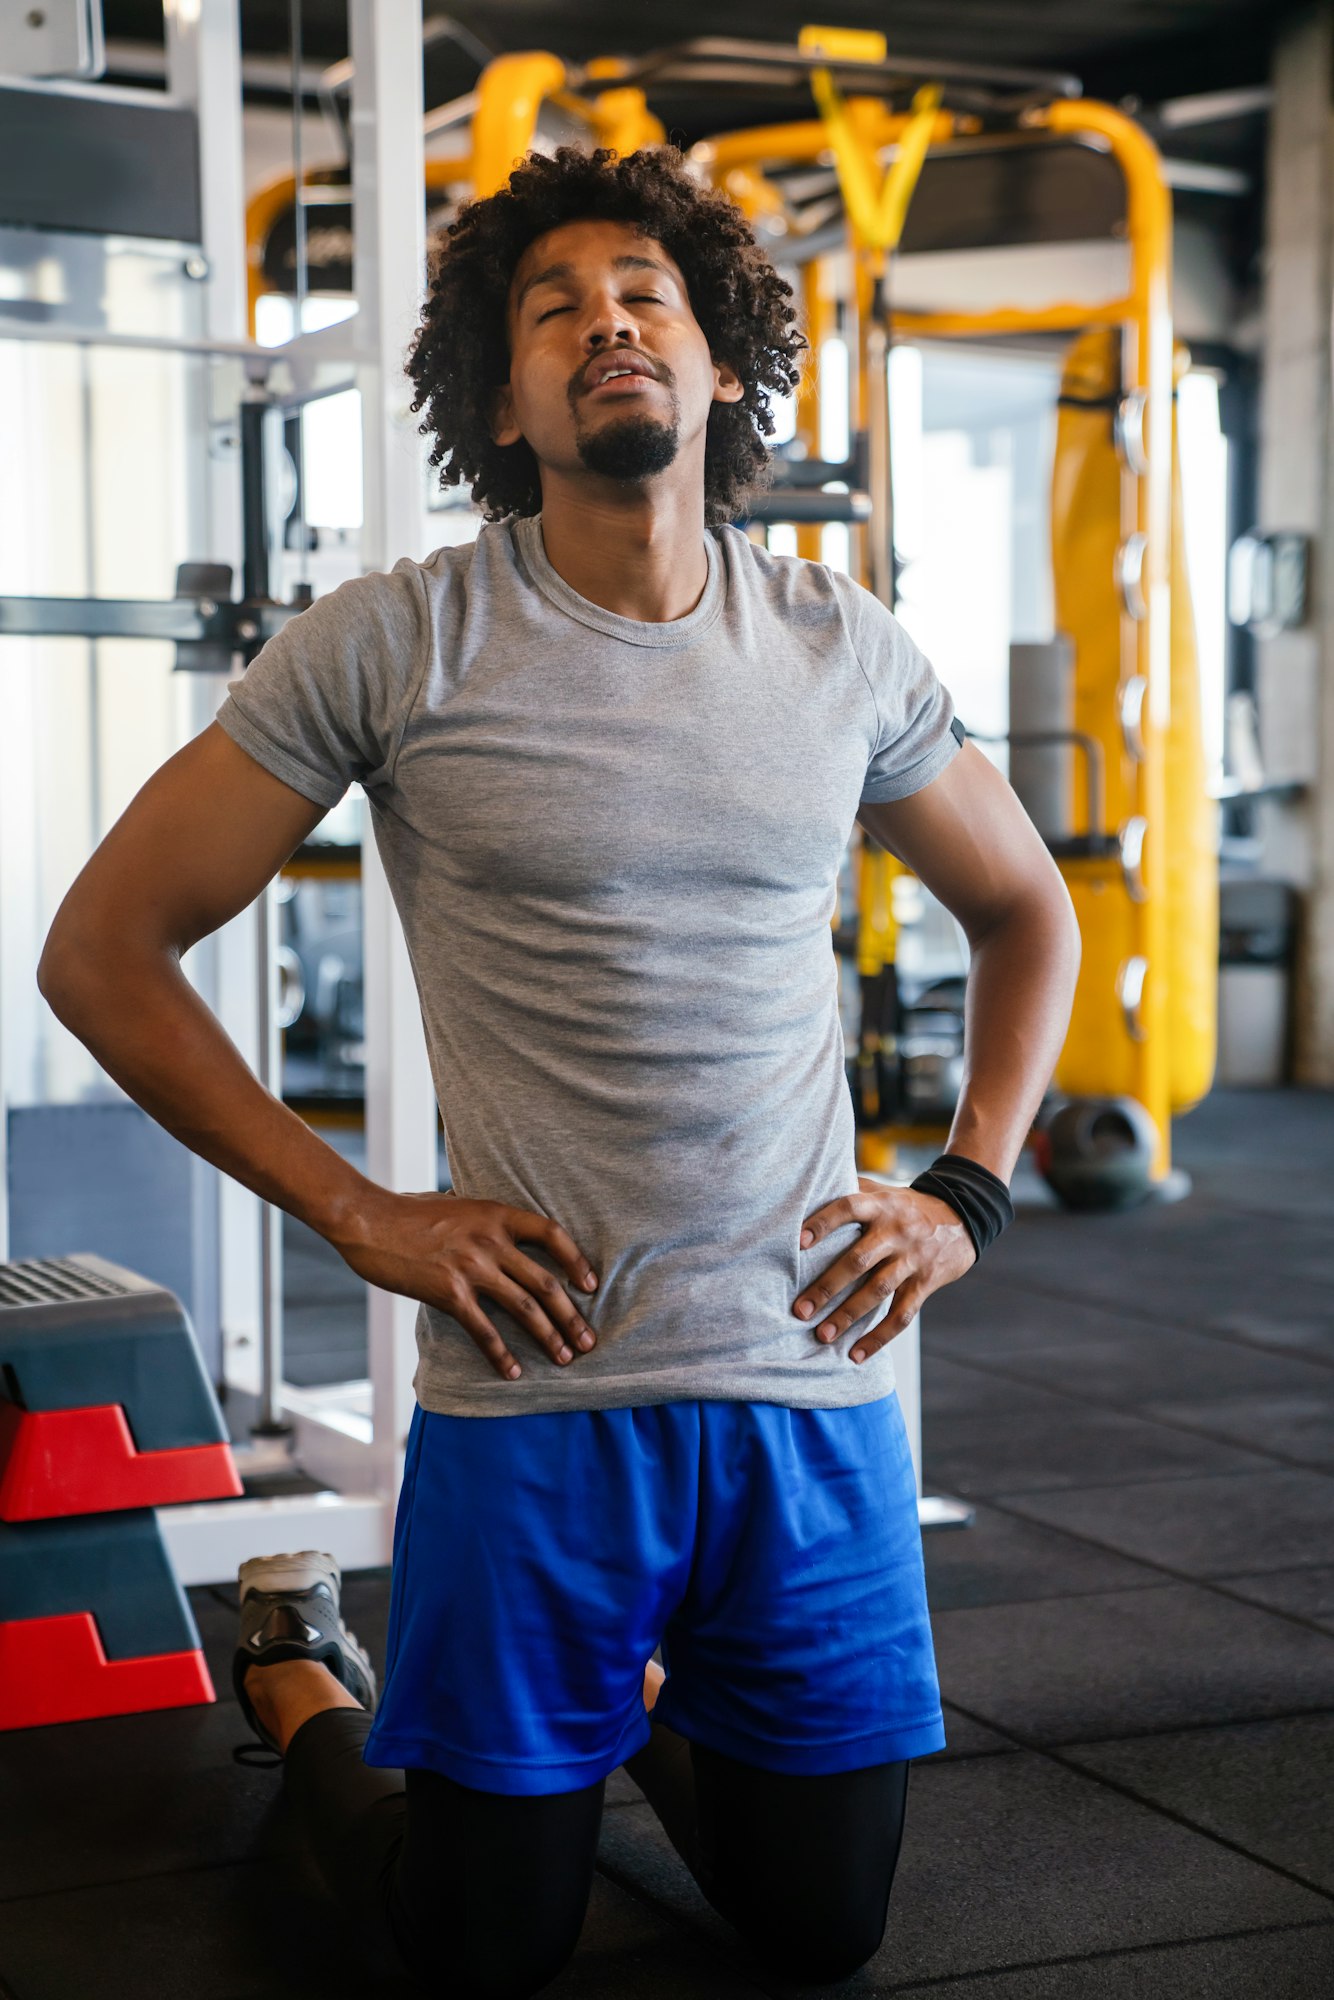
(527,535)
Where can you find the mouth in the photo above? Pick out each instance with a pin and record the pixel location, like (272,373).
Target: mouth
(626,377)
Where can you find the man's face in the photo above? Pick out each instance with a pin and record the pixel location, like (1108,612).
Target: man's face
(585,298)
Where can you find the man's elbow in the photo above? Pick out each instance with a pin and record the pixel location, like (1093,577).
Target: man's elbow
(1039,924)
(1049,904)
(1063,915)
(57,974)
(1035,906)
(77,962)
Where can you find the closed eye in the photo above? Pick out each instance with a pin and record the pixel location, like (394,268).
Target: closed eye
(635,299)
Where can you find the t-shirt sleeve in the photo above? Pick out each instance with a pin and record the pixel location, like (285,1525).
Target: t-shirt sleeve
(324,704)
(917,733)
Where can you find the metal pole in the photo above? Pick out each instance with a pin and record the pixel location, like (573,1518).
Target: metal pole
(204,70)
(256,539)
(271,1218)
(880,528)
(298,422)
(255,574)
(388,201)
(90,590)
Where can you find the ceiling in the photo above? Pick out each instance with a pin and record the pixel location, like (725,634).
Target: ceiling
(1138,53)
(1151,48)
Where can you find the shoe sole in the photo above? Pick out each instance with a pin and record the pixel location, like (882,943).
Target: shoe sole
(273,1574)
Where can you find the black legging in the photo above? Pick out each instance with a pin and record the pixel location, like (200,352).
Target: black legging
(482,1896)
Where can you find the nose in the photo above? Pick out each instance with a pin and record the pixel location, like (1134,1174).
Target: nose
(607,323)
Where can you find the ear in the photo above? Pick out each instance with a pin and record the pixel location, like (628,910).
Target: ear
(728,386)
(504,426)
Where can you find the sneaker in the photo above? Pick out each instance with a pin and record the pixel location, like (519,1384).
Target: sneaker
(289,1611)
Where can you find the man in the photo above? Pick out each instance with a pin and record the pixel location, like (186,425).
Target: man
(613,753)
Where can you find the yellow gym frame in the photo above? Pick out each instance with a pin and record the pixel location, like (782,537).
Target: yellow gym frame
(1127,1030)
(1140,917)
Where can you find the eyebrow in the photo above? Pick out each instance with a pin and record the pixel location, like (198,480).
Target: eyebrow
(554,273)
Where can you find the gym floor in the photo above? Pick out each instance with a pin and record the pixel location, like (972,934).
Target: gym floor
(1136,1648)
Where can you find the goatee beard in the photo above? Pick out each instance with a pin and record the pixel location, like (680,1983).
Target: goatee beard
(632,448)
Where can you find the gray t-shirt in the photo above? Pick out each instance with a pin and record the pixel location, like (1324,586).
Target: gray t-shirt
(614,848)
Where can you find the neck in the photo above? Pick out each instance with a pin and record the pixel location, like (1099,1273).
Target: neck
(637,556)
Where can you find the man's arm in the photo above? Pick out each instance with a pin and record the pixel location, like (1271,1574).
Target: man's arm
(194,848)
(968,839)
(966,836)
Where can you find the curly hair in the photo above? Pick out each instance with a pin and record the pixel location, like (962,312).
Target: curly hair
(460,354)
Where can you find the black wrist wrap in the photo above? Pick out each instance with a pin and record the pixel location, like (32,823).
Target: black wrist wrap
(978,1197)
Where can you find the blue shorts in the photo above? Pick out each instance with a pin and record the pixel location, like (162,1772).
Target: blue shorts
(773,1553)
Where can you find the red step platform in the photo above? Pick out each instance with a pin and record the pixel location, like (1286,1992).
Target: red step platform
(57,1462)
(56,1670)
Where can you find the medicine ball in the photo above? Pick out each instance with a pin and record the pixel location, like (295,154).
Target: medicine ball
(1097,1152)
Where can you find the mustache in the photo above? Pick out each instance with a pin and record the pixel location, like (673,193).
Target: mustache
(579,381)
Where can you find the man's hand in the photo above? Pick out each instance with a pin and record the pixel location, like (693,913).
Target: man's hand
(911,1244)
(449,1252)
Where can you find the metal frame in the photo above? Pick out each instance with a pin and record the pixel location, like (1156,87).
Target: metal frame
(387,179)
(360,1453)
(1143,317)
(722,62)
(188,620)
(203,53)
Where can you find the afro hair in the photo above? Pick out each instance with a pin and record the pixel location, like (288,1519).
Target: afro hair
(460,354)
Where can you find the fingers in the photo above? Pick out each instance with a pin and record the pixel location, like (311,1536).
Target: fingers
(895,1321)
(487,1264)
(546,1289)
(526,1227)
(461,1305)
(883,1282)
(874,1201)
(859,1207)
(460,1300)
(526,1312)
(872,1252)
